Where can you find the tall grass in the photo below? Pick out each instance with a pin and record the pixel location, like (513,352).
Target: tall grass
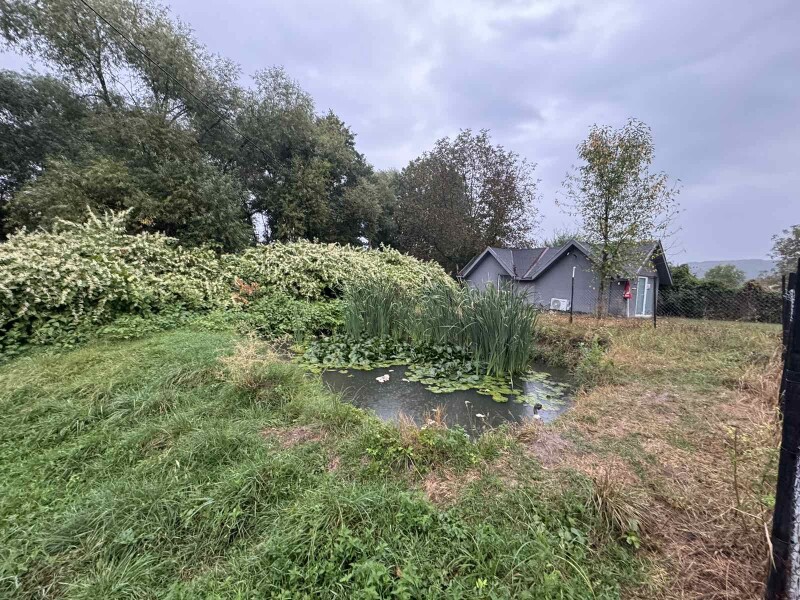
(150,469)
(375,307)
(496,325)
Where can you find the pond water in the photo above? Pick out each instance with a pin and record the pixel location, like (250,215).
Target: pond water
(473,411)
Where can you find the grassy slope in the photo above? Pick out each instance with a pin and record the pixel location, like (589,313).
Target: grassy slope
(690,425)
(151,469)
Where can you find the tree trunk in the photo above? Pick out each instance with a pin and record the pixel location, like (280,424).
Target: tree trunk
(600,312)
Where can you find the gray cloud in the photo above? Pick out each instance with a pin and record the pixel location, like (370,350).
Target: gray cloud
(718,82)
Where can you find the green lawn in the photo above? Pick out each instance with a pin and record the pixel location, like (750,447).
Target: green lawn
(151,469)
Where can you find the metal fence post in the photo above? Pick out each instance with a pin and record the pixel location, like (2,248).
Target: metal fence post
(784,522)
(655,302)
(572,295)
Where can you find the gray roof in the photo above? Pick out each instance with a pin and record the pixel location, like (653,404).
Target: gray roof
(516,261)
(528,263)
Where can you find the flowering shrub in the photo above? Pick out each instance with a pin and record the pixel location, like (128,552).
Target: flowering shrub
(312,271)
(62,285)
(78,275)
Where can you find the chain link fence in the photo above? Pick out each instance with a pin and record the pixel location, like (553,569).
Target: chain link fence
(751,302)
(641,297)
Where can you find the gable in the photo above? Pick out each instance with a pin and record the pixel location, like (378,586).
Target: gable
(485,268)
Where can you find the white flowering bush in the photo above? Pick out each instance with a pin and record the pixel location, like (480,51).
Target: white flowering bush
(62,285)
(312,271)
(82,275)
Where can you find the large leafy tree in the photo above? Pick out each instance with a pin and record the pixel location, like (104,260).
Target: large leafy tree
(786,249)
(303,163)
(462,196)
(41,117)
(116,131)
(617,199)
(726,276)
(179,142)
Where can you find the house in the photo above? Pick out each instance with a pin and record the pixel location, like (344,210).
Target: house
(546,275)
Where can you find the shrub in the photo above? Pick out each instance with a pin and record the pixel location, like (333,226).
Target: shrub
(311,271)
(52,283)
(278,314)
(60,286)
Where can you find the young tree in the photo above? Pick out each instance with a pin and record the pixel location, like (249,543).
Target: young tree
(462,196)
(786,249)
(727,276)
(618,201)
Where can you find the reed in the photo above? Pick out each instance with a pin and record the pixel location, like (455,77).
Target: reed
(496,325)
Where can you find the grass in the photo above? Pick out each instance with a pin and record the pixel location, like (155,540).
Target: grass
(199,464)
(685,418)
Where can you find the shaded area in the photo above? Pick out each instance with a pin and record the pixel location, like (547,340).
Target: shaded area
(473,411)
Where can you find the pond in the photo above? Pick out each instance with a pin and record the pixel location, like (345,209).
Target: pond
(473,411)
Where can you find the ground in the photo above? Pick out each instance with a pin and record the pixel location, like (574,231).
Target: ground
(194,463)
(689,423)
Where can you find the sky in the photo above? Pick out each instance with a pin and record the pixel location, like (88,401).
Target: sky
(718,82)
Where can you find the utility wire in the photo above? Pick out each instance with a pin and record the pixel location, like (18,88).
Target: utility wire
(212,110)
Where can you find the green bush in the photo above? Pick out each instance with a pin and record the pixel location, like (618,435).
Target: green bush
(278,314)
(316,271)
(60,286)
(79,276)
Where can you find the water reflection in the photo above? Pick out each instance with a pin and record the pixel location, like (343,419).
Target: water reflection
(473,411)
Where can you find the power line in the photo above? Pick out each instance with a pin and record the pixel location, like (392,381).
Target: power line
(212,110)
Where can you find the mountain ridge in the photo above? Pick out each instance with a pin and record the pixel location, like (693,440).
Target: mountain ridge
(752,267)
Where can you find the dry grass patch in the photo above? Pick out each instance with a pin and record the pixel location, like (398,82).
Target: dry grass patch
(288,437)
(692,430)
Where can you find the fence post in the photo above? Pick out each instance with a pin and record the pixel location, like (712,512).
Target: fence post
(783,522)
(572,295)
(655,302)
(787,306)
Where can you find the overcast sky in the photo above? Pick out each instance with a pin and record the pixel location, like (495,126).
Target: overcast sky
(717,81)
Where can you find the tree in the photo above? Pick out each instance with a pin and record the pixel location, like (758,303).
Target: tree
(462,196)
(41,117)
(616,198)
(726,276)
(682,277)
(786,249)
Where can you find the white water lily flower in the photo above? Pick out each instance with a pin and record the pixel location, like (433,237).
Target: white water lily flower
(382,378)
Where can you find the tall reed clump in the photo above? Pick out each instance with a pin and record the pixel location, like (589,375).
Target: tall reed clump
(376,307)
(494,325)
(500,325)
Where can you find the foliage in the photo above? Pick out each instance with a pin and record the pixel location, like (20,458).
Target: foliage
(59,286)
(203,165)
(616,198)
(277,315)
(376,307)
(682,276)
(316,271)
(41,118)
(80,276)
(495,327)
(707,300)
(726,276)
(786,249)
(462,196)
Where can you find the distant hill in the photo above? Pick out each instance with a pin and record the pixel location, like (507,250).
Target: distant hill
(752,267)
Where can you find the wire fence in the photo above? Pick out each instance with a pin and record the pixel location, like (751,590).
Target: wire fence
(751,302)
(645,298)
